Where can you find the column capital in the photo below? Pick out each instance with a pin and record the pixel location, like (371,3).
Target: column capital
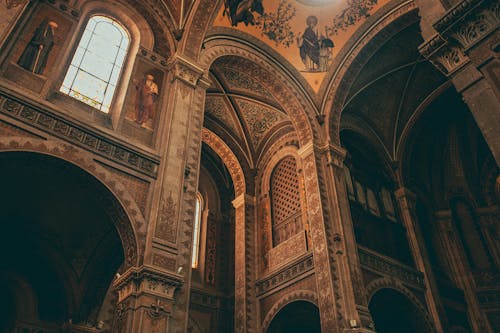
(460,29)
(242,199)
(406,198)
(147,280)
(187,71)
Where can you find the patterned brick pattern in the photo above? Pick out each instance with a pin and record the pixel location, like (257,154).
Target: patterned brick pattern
(285,196)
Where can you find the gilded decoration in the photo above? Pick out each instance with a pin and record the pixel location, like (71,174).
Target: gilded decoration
(259,119)
(308,34)
(217,108)
(240,81)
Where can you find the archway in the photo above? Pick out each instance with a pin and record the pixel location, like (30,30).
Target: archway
(393,312)
(60,247)
(296,317)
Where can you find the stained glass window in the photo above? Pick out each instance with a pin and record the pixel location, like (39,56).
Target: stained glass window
(196,232)
(94,71)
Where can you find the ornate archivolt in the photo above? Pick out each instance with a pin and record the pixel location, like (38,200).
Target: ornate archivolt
(389,283)
(297,295)
(127,217)
(229,159)
(347,65)
(281,86)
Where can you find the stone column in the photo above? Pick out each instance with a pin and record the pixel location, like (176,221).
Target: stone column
(342,303)
(245,304)
(461,273)
(465,49)
(406,202)
(169,237)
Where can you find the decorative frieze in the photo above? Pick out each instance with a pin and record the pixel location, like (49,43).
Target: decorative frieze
(186,72)
(285,275)
(147,279)
(153,57)
(85,138)
(62,5)
(384,266)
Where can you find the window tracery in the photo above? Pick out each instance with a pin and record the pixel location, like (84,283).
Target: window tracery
(96,66)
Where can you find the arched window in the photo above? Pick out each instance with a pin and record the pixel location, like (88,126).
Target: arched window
(95,69)
(196,231)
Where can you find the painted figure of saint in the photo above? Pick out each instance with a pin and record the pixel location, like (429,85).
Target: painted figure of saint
(147,94)
(36,53)
(309,45)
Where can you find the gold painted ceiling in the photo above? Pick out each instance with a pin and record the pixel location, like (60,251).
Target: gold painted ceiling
(307,33)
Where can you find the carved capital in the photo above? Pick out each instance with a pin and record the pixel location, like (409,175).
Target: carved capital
(446,57)
(406,198)
(147,280)
(469,21)
(463,26)
(244,199)
(336,156)
(186,71)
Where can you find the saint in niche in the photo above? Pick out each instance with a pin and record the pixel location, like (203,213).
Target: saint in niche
(36,53)
(147,94)
(241,10)
(315,51)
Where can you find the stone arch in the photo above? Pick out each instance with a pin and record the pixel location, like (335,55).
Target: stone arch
(229,159)
(298,295)
(389,283)
(129,222)
(280,84)
(347,64)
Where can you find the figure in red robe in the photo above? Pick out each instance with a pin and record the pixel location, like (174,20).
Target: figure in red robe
(147,94)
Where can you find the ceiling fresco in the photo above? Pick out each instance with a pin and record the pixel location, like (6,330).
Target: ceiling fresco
(308,33)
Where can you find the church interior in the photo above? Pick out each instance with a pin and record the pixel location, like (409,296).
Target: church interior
(260,166)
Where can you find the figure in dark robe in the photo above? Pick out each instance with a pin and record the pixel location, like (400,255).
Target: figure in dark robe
(36,53)
(242,11)
(309,45)
(147,94)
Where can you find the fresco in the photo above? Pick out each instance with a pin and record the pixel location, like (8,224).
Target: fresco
(308,33)
(9,12)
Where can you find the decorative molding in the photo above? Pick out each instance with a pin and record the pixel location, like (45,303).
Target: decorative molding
(462,27)
(375,262)
(153,57)
(447,58)
(166,225)
(229,159)
(73,133)
(297,295)
(129,222)
(186,71)
(285,275)
(147,279)
(62,5)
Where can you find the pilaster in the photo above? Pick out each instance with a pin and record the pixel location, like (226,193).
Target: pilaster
(461,273)
(245,306)
(465,49)
(342,302)
(406,201)
(145,299)
(169,238)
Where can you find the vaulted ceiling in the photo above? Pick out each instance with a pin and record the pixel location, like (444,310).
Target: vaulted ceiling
(239,106)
